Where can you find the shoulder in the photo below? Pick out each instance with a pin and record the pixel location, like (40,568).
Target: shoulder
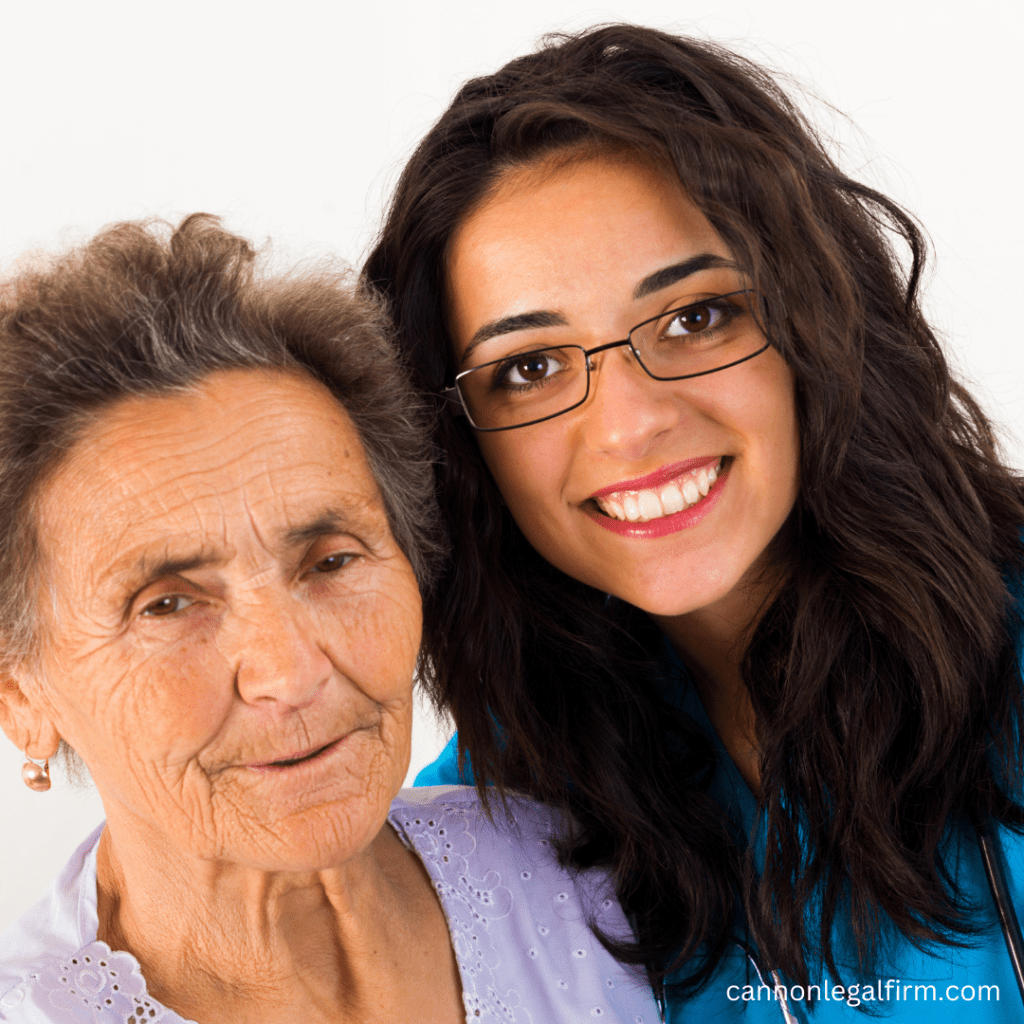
(520,922)
(54,969)
(428,814)
(93,983)
(59,925)
(511,857)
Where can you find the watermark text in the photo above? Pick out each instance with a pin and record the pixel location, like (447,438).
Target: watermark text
(891,990)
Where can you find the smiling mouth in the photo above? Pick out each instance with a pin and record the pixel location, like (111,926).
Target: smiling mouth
(676,495)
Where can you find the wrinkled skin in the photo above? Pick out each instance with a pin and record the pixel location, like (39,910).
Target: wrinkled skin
(222,591)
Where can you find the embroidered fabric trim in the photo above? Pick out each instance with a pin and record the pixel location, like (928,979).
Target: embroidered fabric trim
(94,984)
(442,837)
(520,924)
(519,927)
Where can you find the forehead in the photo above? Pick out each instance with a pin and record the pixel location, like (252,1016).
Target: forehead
(576,238)
(629,206)
(243,456)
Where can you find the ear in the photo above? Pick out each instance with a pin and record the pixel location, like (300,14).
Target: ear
(23,718)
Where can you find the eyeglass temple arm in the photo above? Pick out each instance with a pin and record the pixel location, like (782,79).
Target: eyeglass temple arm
(455,404)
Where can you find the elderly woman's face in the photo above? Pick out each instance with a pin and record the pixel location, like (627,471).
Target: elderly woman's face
(229,630)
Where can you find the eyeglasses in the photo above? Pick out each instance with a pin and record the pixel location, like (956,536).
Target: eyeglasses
(530,387)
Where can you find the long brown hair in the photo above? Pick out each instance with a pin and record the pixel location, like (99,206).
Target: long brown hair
(883,676)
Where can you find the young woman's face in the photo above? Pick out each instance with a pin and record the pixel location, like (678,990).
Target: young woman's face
(578,255)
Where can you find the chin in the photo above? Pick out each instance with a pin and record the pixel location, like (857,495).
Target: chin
(311,843)
(672,596)
(669,608)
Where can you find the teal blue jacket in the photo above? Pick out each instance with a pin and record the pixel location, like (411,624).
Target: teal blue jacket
(938,985)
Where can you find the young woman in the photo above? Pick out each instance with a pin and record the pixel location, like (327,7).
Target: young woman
(734,554)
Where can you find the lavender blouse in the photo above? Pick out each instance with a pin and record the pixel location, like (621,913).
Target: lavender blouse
(518,925)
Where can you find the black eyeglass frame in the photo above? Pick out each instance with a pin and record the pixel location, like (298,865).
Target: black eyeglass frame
(454,394)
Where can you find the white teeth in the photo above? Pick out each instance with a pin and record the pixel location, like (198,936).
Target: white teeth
(672,500)
(673,497)
(650,506)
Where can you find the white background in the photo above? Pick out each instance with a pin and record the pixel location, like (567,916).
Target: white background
(292,121)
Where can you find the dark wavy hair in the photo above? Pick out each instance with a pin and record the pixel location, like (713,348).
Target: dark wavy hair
(882,675)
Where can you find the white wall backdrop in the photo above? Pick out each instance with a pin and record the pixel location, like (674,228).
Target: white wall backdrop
(292,121)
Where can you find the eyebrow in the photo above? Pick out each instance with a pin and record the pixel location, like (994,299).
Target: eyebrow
(678,271)
(331,521)
(508,324)
(147,569)
(132,579)
(547,318)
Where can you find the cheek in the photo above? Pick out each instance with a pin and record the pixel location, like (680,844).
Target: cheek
(778,429)
(530,473)
(192,693)
(754,405)
(373,637)
(158,704)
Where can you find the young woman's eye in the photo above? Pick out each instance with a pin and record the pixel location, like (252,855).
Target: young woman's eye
(332,563)
(697,319)
(532,368)
(167,605)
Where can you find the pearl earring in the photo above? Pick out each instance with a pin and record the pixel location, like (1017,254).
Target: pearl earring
(35,775)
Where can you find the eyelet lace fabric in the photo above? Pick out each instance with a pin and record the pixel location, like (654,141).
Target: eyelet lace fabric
(472,906)
(518,921)
(518,925)
(95,985)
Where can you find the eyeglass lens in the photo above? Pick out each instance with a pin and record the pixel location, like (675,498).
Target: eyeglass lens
(530,386)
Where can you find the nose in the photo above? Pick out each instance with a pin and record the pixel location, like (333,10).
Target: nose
(627,410)
(279,658)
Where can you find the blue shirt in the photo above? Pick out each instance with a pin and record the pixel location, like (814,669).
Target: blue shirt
(938,985)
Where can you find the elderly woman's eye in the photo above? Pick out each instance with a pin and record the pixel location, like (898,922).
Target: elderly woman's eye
(167,605)
(332,563)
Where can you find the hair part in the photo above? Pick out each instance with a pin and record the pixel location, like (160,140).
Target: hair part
(883,675)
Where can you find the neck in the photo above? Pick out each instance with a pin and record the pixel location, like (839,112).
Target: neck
(221,941)
(712,642)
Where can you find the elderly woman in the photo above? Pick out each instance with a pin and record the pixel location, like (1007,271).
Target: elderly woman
(216,519)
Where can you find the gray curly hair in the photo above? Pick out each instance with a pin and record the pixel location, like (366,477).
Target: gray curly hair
(145,309)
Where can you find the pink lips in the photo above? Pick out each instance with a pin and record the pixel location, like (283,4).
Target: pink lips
(666,524)
(658,477)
